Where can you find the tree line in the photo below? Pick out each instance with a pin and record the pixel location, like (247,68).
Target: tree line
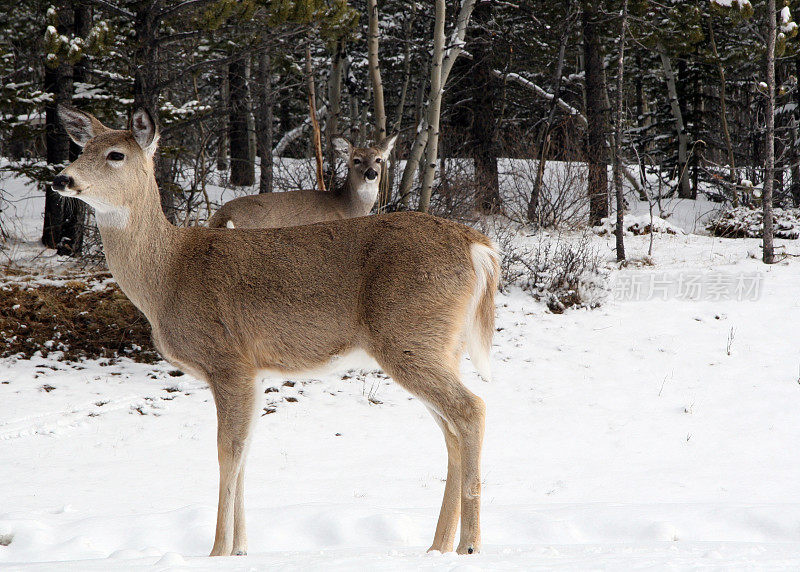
(676,90)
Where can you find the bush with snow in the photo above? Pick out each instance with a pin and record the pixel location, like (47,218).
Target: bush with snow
(562,270)
(746,222)
(637,225)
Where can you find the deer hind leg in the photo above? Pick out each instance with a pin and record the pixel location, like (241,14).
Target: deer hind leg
(235,399)
(451,503)
(435,380)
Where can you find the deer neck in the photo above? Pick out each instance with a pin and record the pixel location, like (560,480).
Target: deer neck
(138,241)
(359,194)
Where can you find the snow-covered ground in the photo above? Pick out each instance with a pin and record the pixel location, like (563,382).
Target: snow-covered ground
(648,433)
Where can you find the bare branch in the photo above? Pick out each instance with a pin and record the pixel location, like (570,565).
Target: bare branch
(178,8)
(119,10)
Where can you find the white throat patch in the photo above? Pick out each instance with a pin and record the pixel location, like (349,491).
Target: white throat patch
(112,218)
(368,191)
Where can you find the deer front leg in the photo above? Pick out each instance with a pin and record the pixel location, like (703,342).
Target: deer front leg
(235,406)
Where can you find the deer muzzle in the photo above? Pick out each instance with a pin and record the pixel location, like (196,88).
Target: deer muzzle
(62,182)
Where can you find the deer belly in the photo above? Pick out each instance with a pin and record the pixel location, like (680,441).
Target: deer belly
(338,363)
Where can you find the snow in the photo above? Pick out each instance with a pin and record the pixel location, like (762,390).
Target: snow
(741,4)
(648,433)
(788,26)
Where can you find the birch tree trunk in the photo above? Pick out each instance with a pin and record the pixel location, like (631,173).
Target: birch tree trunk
(434,108)
(456,46)
(769,170)
(312,113)
(620,230)
(375,72)
(377,97)
(408,25)
(334,100)
(683,184)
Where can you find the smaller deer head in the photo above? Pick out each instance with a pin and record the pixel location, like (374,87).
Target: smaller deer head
(365,163)
(114,163)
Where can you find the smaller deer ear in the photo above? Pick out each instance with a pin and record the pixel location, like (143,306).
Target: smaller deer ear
(342,147)
(386,146)
(80,126)
(145,131)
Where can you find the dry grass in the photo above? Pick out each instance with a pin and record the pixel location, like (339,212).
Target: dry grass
(78,319)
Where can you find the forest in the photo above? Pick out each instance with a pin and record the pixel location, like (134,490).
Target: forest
(212,210)
(677,93)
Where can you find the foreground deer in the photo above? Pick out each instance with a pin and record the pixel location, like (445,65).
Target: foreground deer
(293,208)
(408,289)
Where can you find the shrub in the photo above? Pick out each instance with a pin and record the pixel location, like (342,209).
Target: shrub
(745,222)
(561,270)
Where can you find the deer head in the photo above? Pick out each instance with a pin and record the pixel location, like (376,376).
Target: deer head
(113,162)
(364,163)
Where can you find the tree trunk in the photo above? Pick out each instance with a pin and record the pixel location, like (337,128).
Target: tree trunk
(408,25)
(484,121)
(242,167)
(224,96)
(334,100)
(769,143)
(544,141)
(146,90)
(795,169)
(724,116)
(684,190)
(312,113)
(620,230)
(596,116)
(61,227)
(434,108)
(265,120)
(417,146)
(423,132)
(377,97)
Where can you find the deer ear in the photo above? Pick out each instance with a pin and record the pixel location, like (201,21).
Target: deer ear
(145,131)
(342,147)
(386,146)
(80,126)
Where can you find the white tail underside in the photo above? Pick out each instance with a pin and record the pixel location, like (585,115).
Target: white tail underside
(484,262)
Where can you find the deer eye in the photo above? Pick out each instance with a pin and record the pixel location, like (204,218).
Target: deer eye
(115,156)
(378,159)
(356,161)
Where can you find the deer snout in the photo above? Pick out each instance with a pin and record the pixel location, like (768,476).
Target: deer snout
(62,182)
(371,174)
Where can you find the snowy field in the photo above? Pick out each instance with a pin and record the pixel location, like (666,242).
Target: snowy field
(645,434)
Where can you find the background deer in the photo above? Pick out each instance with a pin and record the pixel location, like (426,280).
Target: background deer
(292,208)
(409,290)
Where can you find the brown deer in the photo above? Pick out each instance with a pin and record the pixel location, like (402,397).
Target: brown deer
(409,290)
(293,208)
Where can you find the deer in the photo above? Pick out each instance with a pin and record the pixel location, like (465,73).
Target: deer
(408,291)
(294,208)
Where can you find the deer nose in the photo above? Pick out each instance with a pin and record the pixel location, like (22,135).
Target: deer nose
(371,174)
(61,182)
